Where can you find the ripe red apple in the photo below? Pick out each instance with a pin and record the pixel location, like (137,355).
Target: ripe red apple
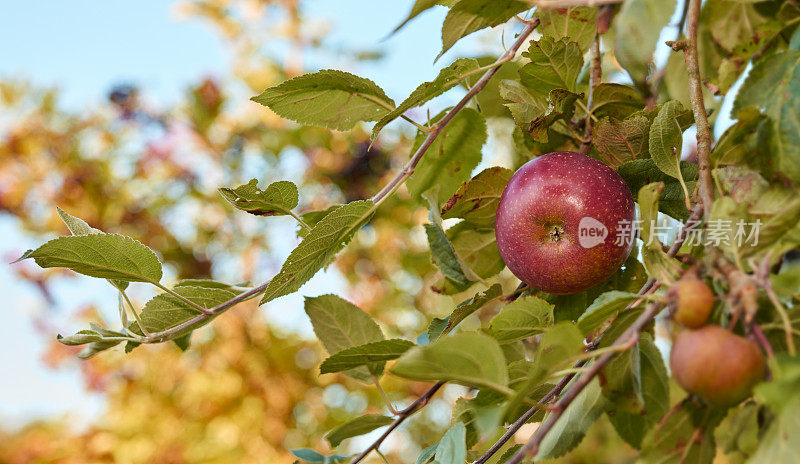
(558,220)
(690,301)
(718,366)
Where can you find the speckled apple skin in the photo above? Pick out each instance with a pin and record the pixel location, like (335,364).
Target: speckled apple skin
(557,190)
(718,366)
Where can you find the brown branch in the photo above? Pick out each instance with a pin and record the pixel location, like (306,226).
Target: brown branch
(401,417)
(594,80)
(704,138)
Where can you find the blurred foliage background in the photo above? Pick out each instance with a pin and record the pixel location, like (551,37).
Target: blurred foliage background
(247,390)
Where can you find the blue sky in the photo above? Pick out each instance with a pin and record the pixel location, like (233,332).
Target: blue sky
(83,48)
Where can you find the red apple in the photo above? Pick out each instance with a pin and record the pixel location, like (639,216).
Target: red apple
(718,366)
(560,223)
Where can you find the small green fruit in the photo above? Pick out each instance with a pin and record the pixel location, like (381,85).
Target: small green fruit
(690,301)
(718,366)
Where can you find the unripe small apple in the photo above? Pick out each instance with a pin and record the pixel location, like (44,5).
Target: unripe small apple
(718,366)
(560,223)
(690,301)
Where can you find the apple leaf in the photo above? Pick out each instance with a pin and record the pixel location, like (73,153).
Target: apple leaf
(573,424)
(616,101)
(523,105)
(452,449)
(449,161)
(642,22)
(107,256)
(339,325)
(666,139)
(440,327)
(477,249)
(638,390)
(639,173)
(686,434)
(420,6)
(448,78)
(319,247)
(356,427)
(468,16)
(737,435)
(774,86)
(554,64)
(165,311)
(328,98)
(361,355)
(468,358)
(312,457)
(476,200)
(619,142)
(277,199)
(561,107)
(522,318)
(603,307)
(656,261)
(573,23)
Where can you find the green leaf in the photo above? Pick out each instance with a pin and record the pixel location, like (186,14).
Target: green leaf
(462,311)
(96,347)
(443,254)
(573,23)
(78,226)
(107,256)
(477,249)
(329,98)
(75,225)
(523,105)
(649,384)
(571,427)
(522,318)
(616,101)
(554,64)
(746,143)
(476,200)
(780,442)
(427,454)
(207,283)
(774,86)
(362,355)
(183,343)
(639,173)
(420,6)
(448,78)
(561,107)
(81,338)
(467,358)
(603,307)
(666,140)
(449,161)
(452,448)
(737,435)
(165,310)
(468,16)
(619,142)
(339,325)
(311,456)
(277,199)
(731,23)
(656,261)
(686,435)
(638,25)
(356,427)
(319,247)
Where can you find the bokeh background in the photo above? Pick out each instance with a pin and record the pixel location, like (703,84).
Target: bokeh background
(130,116)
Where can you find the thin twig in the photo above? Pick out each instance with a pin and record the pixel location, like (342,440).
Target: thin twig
(401,417)
(704,138)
